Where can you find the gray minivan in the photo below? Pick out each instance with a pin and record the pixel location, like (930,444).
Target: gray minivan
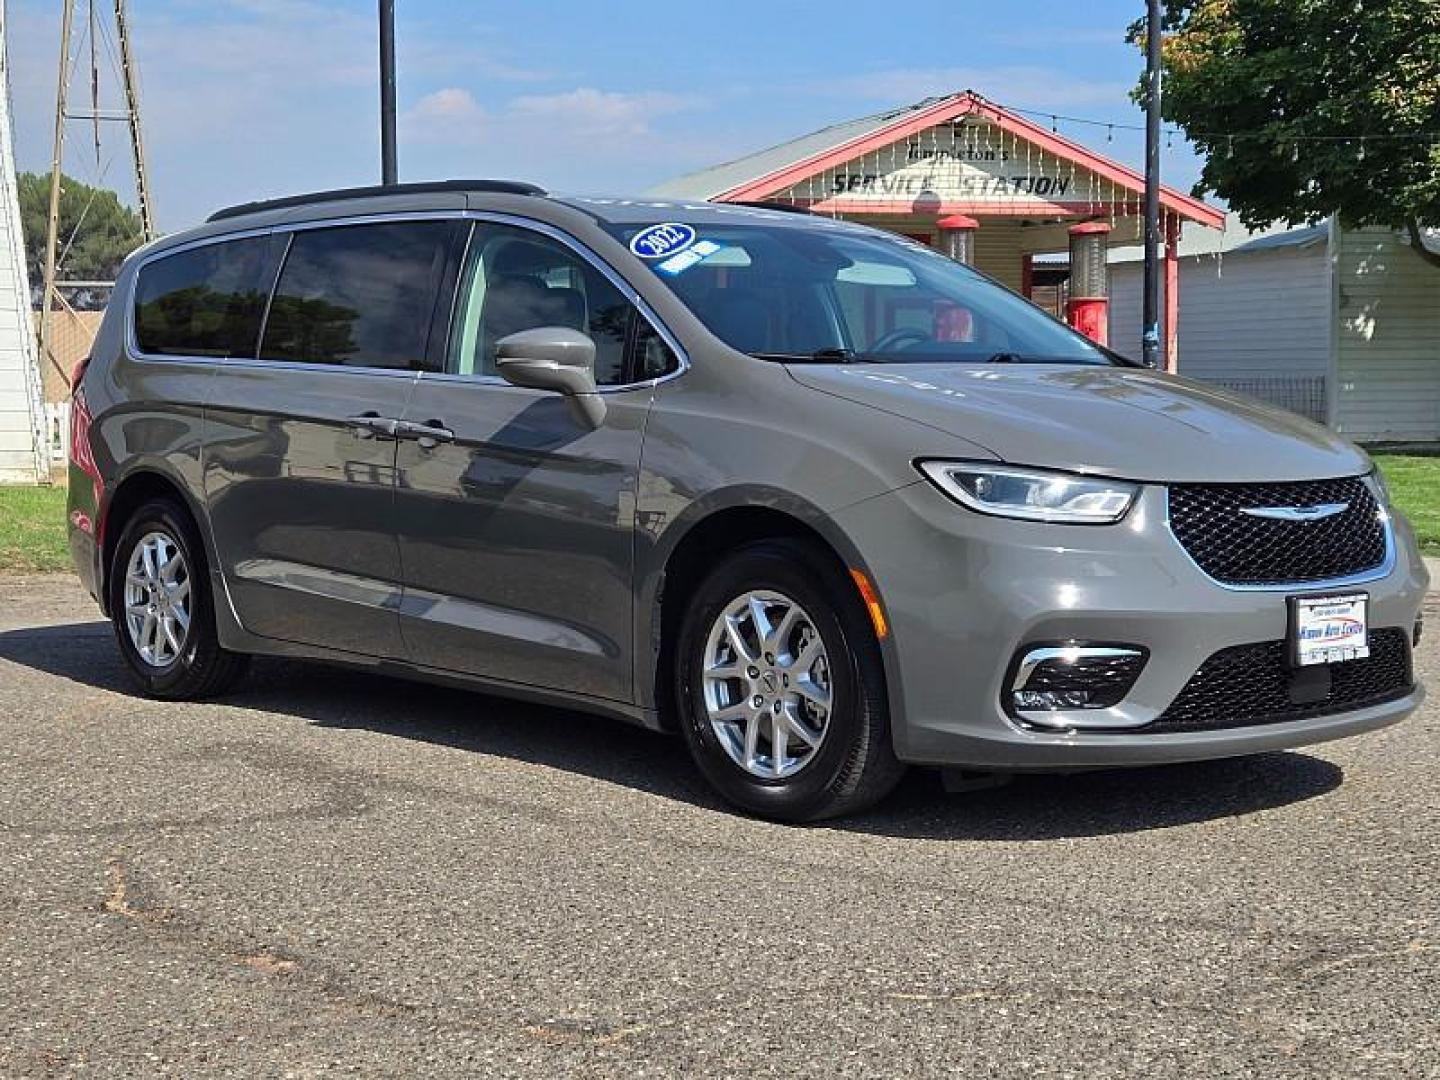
(819,498)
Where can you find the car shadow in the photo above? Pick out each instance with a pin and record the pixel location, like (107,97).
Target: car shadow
(1030,807)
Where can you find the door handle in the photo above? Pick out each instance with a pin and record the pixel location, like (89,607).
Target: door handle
(429,435)
(368,425)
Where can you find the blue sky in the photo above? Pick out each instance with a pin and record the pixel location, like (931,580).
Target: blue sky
(251,98)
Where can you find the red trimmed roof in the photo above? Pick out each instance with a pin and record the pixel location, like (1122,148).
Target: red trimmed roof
(969,103)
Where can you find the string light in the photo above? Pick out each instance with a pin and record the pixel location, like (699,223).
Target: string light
(1110,126)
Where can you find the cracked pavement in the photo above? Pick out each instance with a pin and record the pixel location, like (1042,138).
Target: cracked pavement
(330,871)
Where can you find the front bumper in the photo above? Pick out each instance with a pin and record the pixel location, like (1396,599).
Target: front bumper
(965,591)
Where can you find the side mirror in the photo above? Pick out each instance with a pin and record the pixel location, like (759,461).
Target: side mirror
(554,358)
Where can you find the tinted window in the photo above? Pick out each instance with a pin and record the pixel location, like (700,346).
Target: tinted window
(359,295)
(207,301)
(653,357)
(515,279)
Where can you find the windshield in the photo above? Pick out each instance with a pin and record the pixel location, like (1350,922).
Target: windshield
(829,295)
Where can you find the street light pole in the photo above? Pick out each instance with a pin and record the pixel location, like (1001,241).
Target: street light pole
(1150,343)
(388,171)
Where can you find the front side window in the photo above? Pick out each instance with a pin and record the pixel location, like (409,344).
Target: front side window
(819,292)
(516,279)
(358,295)
(207,301)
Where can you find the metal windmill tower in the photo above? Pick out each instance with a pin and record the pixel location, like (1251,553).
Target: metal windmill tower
(96,35)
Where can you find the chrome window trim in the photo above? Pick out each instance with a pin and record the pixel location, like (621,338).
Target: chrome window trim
(134,352)
(1386,567)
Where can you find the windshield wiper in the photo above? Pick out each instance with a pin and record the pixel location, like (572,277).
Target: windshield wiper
(1005,358)
(819,356)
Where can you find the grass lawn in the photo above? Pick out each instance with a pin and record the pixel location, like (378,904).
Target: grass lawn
(1415,489)
(32,530)
(32,519)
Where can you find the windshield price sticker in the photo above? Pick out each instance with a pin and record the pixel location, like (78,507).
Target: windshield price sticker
(689,257)
(1329,629)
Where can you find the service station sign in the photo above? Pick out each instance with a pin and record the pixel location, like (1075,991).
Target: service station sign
(967,163)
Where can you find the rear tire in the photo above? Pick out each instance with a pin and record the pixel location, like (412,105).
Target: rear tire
(791,725)
(162,609)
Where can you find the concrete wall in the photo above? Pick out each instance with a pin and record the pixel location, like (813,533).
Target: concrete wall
(1387,339)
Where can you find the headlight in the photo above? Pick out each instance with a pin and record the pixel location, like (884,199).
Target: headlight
(1033,494)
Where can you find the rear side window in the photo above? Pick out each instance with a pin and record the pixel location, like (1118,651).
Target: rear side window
(207,301)
(358,295)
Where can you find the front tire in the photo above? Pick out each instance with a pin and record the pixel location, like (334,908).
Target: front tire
(781,690)
(162,610)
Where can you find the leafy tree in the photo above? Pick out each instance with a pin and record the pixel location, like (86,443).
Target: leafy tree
(1304,108)
(105,230)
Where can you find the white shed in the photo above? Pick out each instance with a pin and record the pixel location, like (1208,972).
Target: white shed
(1339,325)
(24,456)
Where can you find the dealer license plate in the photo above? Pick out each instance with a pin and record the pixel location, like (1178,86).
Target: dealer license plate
(1328,629)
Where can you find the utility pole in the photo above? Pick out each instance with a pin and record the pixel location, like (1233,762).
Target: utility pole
(388,170)
(1150,342)
(130,116)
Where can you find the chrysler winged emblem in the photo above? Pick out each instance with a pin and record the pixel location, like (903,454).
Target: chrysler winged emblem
(1297,513)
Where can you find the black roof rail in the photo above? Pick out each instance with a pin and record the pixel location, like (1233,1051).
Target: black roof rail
(782,207)
(501,187)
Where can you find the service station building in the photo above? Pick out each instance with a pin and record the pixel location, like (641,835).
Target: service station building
(986,186)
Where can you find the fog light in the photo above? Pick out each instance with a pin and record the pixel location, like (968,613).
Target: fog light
(1419,630)
(1051,699)
(1060,678)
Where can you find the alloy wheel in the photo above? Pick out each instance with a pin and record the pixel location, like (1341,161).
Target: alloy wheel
(766,684)
(157,599)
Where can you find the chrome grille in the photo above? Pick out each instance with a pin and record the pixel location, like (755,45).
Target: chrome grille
(1239,549)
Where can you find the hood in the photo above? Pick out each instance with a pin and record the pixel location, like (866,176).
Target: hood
(1129,423)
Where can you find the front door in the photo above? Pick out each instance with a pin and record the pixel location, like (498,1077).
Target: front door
(300,462)
(516,522)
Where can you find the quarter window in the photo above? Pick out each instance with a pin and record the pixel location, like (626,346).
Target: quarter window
(358,295)
(653,357)
(207,301)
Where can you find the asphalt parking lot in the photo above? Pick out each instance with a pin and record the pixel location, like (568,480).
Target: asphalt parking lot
(329,871)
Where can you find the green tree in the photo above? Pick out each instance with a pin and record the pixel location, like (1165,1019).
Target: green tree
(104,229)
(1304,108)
